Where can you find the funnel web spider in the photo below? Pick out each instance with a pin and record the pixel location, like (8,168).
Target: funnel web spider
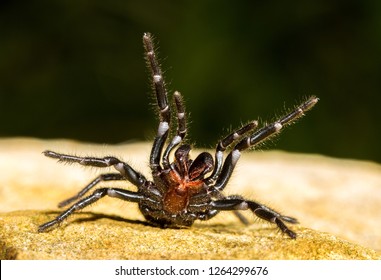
(182,190)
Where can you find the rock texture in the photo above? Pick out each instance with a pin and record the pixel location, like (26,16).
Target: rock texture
(98,236)
(337,202)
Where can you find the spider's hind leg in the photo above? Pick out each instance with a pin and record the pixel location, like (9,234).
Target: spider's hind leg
(233,203)
(97,194)
(100,178)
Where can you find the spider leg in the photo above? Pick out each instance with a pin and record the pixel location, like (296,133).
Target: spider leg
(260,210)
(100,178)
(97,194)
(127,171)
(242,218)
(181,120)
(181,128)
(208,215)
(211,213)
(275,127)
(224,144)
(259,136)
(162,102)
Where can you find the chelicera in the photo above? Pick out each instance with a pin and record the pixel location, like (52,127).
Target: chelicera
(183,190)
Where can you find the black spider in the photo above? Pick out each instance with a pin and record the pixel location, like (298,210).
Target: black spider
(184,190)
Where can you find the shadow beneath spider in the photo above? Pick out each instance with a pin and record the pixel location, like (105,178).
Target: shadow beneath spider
(92,217)
(98,216)
(95,217)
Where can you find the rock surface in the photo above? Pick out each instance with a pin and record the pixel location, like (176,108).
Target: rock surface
(97,236)
(336,201)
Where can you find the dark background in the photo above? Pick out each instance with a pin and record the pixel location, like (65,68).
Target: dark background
(75,69)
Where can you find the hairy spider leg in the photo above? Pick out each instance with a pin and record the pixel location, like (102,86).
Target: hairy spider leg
(259,136)
(224,144)
(181,118)
(162,103)
(97,194)
(125,170)
(181,128)
(97,180)
(261,211)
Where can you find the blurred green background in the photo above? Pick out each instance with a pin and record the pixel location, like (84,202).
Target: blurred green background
(75,69)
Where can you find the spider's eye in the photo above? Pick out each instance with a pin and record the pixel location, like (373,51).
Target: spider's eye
(200,166)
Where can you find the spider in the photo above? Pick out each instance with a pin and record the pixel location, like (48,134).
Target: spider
(184,190)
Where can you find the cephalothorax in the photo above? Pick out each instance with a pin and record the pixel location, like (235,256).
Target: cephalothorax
(184,190)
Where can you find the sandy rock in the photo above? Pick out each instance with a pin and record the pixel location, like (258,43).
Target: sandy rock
(336,201)
(98,236)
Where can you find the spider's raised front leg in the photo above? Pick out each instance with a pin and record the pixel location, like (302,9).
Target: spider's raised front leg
(224,144)
(162,103)
(97,194)
(259,136)
(181,128)
(261,211)
(252,140)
